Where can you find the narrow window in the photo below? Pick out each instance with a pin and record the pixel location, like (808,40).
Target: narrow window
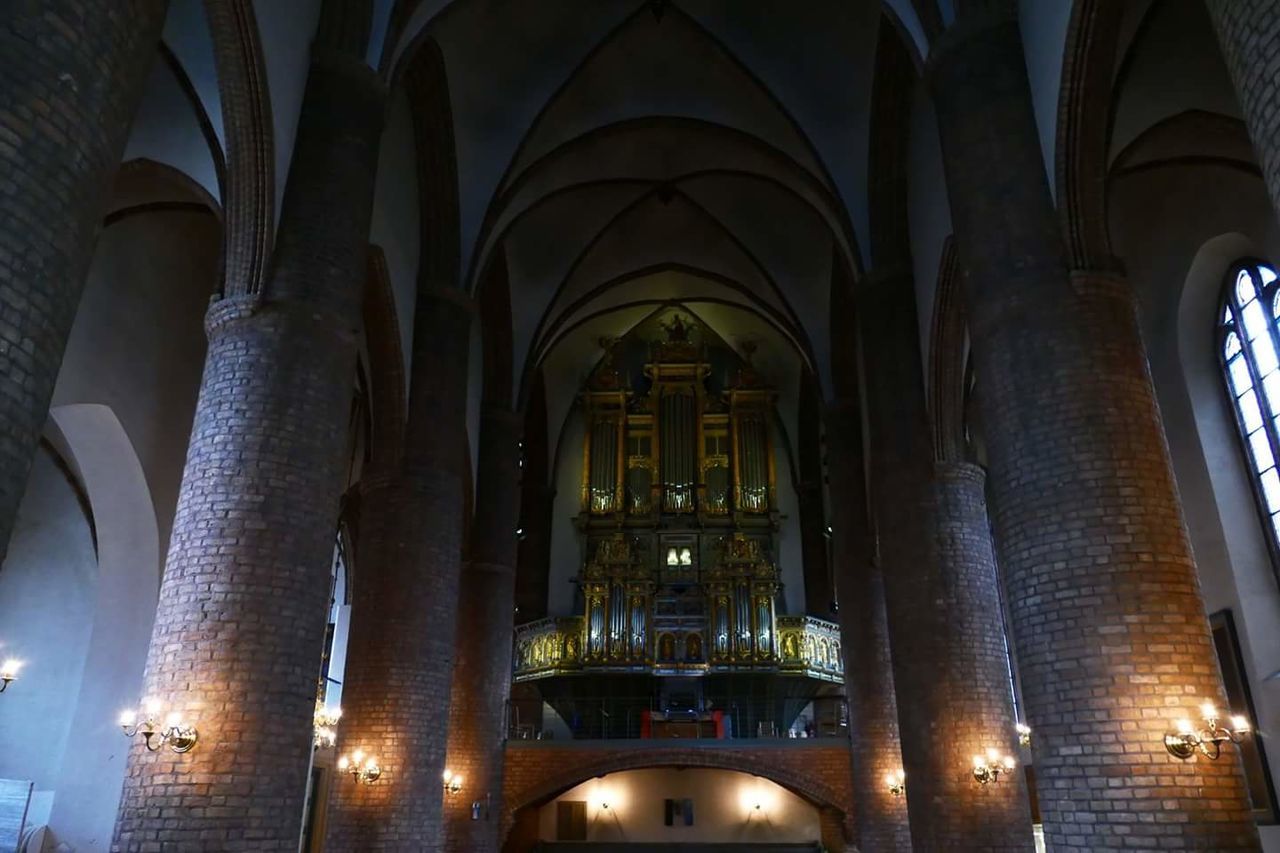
(1248,344)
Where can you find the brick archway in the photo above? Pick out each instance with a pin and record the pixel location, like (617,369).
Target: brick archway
(819,774)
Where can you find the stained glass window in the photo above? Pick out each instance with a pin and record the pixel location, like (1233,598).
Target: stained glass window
(1249,339)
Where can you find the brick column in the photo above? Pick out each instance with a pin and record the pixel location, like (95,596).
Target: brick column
(395,696)
(241,619)
(482,675)
(943,608)
(1105,603)
(868,671)
(73,74)
(1249,32)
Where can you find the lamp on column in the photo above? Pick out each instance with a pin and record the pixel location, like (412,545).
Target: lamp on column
(1187,740)
(8,672)
(987,768)
(897,782)
(173,733)
(362,768)
(452,782)
(326,726)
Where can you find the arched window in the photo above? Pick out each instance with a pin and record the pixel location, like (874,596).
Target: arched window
(1248,343)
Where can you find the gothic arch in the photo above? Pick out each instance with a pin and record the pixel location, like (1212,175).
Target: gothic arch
(804,785)
(1084,117)
(249,188)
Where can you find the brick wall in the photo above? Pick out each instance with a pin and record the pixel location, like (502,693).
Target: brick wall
(940,590)
(873,708)
(1104,597)
(240,622)
(74,72)
(1249,32)
(482,674)
(538,772)
(400,655)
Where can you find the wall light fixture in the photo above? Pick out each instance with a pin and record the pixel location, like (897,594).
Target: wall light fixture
(362,768)
(174,732)
(1187,739)
(9,672)
(987,768)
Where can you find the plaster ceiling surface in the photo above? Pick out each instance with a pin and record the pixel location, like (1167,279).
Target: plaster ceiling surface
(600,144)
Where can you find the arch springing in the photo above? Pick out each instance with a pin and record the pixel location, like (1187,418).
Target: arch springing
(1249,340)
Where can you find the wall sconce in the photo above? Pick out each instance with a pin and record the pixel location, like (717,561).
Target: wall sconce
(9,672)
(1184,742)
(987,768)
(175,734)
(326,726)
(1024,734)
(364,770)
(453,783)
(897,782)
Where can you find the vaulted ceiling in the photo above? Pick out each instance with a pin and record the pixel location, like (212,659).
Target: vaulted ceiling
(620,155)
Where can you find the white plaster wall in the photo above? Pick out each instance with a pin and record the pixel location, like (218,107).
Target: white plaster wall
(790,550)
(724,808)
(137,345)
(395,226)
(186,34)
(566,550)
(91,772)
(1174,66)
(165,129)
(47,587)
(1044,36)
(928,209)
(286,30)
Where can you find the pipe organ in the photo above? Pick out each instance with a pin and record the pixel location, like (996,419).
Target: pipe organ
(678,520)
(676,449)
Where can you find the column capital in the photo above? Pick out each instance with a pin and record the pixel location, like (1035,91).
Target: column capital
(960,472)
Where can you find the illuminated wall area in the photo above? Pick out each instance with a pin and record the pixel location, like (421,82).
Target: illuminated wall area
(727,806)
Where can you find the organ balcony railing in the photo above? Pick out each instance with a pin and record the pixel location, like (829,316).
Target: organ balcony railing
(806,646)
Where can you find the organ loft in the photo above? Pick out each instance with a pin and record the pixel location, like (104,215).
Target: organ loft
(681,629)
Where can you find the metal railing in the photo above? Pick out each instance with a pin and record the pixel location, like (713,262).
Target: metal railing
(630,718)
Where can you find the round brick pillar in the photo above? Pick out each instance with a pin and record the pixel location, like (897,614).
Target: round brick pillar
(1249,32)
(241,619)
(1107,616)
(482,674)
(868,670)
(395,699)
(943,608)
(74,72)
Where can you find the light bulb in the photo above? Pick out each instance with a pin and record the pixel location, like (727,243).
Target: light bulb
(344,763)
(1208,711)
(891,778)
(978,761)
(1008,762)
(993,755)
(9,669)
(371,762)
(1239,723)
(357,756)
(128,718)
(151,705)
(1184,727)
(447,776)
(173,720)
